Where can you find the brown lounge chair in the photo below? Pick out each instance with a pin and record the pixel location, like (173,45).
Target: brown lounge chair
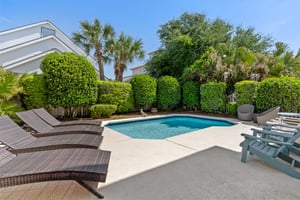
(85,166)
(47,117)
(19,141)
(44,129)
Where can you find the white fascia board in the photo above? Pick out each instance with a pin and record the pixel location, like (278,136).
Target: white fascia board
(32,58)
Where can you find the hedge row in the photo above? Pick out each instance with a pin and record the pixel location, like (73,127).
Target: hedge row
(213,98)
(70,81)
(144,89)
(34,91)
(116,93)
(168,92)
(245,92)
(283,92)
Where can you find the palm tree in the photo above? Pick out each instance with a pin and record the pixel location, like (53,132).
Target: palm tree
(93,37)
(123,51)
(283,62)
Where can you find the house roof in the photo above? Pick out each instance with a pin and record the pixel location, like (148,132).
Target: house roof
(28,44)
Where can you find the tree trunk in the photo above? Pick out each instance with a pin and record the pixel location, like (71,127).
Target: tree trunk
(121,71)
(100,62)
(117,71)
(101,70)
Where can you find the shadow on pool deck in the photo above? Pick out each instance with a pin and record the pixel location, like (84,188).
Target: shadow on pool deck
(215,173)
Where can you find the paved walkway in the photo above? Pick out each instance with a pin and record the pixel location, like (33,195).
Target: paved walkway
(133,156)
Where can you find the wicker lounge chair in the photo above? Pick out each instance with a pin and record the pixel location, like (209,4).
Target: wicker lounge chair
(19,141)
(44,129)
(47,117)
(264,117)
(85,166)
(245,112)
(274,152)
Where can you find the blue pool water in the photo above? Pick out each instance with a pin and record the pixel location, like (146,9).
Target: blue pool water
(164,127)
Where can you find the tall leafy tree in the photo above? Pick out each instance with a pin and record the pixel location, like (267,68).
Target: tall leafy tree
(122,51)
(203,31)
(186,41)
(92,38)
(255,42)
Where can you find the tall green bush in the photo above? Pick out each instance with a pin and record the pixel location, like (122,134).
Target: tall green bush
(245,92)
(168,92)
(34,91)
(283,92)
(70,80)
(213,98)
(116,93)
(144,89)
(191,94)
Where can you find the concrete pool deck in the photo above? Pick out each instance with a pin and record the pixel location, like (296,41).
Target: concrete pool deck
(134,156)
(144,154)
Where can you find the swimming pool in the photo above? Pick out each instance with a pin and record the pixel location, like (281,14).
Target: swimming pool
(164,127)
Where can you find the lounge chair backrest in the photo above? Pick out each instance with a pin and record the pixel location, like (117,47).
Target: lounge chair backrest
(5,156)
(47,117)
(13,135)
(34,121)
(85,166)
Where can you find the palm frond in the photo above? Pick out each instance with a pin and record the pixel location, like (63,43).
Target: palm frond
(9,84)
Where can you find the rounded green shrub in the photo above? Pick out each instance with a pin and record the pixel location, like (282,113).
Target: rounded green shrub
(144,89)
(191,94)
(102,110)
(232,108)
(245,92)
(117,93)
(70,80)
(283,92)
(34,91)
(213,98)
(168,92)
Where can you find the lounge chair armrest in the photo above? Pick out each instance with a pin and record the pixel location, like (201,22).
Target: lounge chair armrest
(273,133)
(284,126)
(279,129)
(266,140)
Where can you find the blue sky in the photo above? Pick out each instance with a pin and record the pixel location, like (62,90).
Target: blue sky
(141,19)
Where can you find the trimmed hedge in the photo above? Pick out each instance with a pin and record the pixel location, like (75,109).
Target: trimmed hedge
(144,89)
(212,97)
(232,108)
(245,92)
(102,110)
(34,91)
(70,80)
(168,92)
(116,93)
(283,92)
(191,94)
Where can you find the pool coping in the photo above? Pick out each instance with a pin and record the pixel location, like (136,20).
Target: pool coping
(230,120)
